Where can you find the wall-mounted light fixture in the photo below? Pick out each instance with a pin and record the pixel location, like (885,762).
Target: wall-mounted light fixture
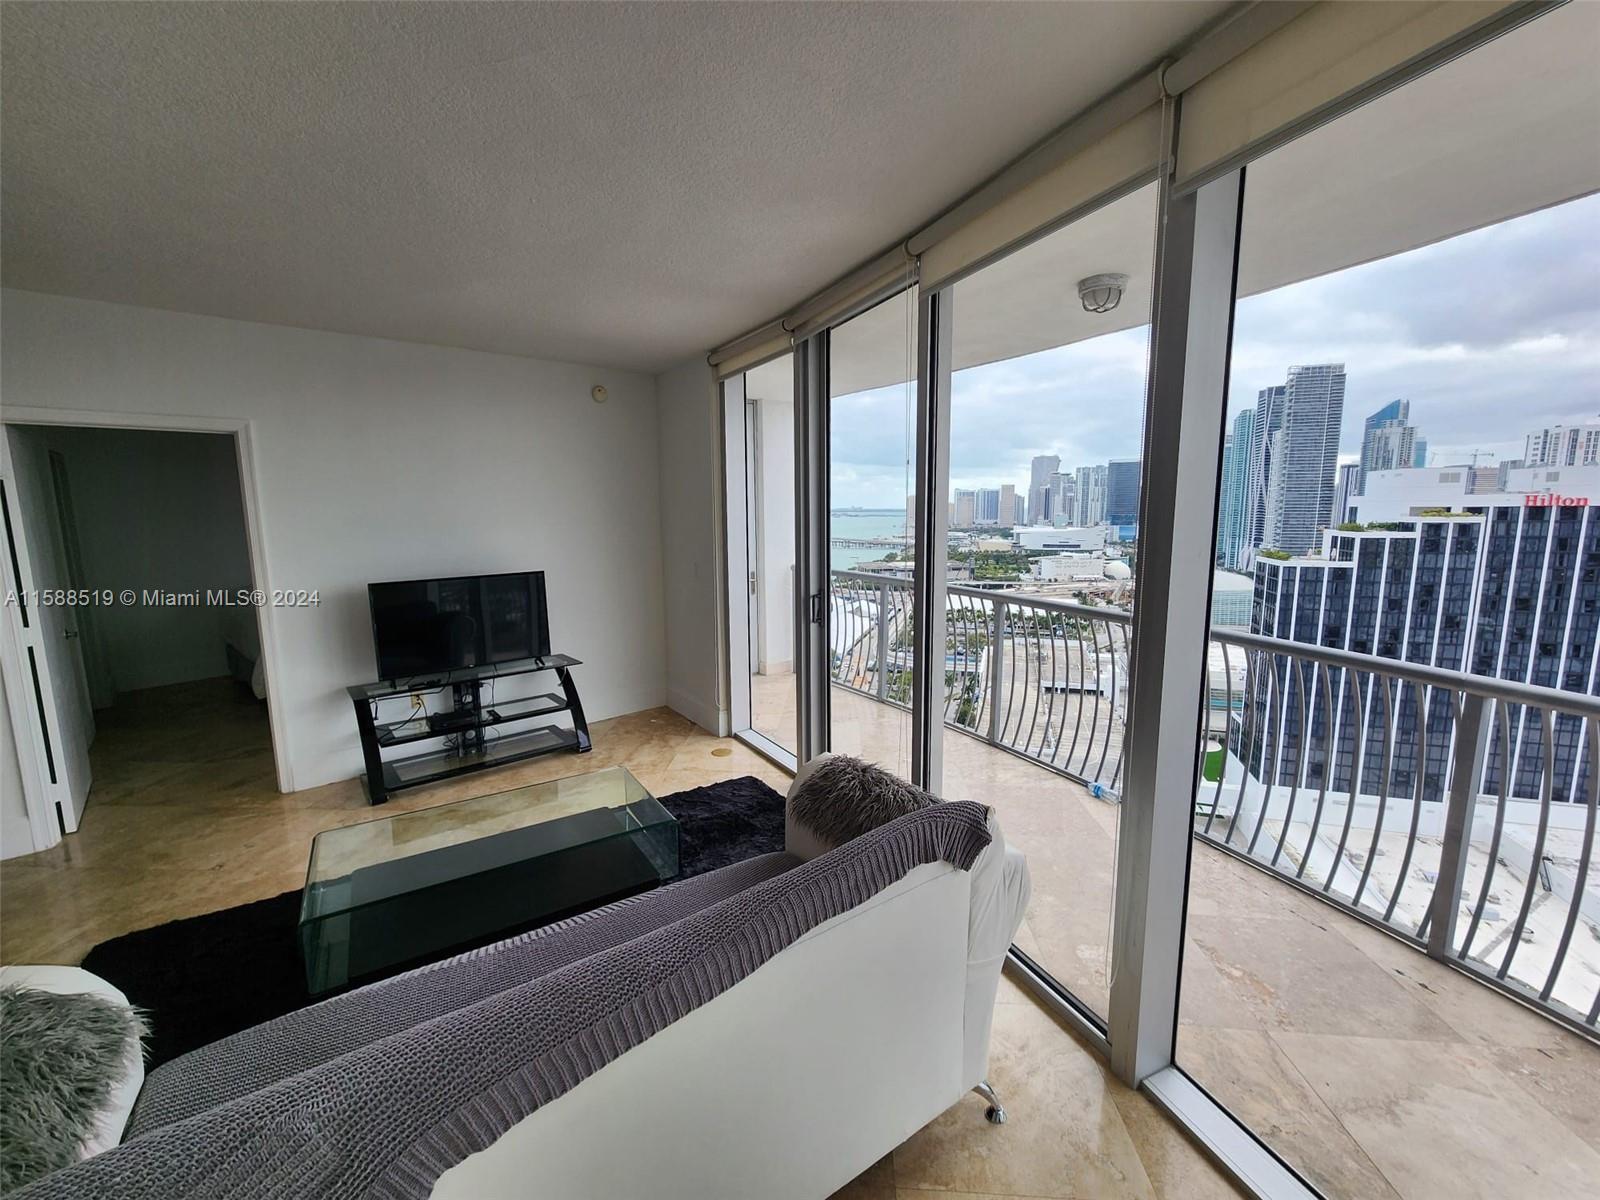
(1102,293)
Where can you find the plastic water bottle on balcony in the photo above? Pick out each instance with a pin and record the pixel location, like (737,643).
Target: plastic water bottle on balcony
(1101,792)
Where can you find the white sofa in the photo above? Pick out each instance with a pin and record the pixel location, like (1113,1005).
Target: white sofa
(798,1078)
(788,1083)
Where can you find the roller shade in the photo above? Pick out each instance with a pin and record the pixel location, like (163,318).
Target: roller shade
(891,273)
(1126,157)
(1112,147)
(767,342)
(1329,56)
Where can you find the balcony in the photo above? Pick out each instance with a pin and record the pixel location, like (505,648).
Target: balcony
(1320,1002)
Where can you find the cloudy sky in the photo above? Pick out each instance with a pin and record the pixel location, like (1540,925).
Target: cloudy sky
(1489,335)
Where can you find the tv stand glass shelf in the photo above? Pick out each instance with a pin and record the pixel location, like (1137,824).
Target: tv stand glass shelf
(479,735)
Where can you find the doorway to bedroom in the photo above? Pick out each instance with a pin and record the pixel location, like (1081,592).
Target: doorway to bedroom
(140,580)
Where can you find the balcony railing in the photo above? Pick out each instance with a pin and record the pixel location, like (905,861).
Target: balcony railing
(1456,811)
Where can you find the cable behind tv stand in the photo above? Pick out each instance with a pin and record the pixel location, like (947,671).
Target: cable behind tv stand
(480,743)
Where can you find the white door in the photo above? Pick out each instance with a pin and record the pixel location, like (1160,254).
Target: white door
(91,652)
(47,633)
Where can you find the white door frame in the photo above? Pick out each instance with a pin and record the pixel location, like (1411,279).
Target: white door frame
(39,797)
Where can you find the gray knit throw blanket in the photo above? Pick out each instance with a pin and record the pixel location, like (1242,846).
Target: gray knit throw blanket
(386,1119)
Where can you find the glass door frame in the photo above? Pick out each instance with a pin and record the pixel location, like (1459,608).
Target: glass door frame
(813,430)
(739,522)
(1185,407)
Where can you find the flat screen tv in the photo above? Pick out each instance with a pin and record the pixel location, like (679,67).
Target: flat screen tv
(430,626)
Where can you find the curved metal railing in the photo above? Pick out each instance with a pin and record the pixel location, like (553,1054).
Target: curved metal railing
(1044,679)
(1455,810)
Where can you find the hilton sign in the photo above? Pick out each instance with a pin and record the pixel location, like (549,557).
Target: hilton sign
(1552,500)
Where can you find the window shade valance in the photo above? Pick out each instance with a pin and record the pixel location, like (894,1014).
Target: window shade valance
(1327,57)
(753,348)
(1119,159)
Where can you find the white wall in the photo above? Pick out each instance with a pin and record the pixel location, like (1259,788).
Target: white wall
(382,460)
(690,541)
(15,836)
(155,510)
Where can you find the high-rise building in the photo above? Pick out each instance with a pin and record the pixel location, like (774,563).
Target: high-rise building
(1388,441)
(911,515)
(986,506)
(1345,491)
(1419,452)
(1450,591)
(1091,496)
(1122,491)
(1008,505)
(1232,509)
(1044,466)
(1300,458)
(1258,471)
(1063,498)
(1564,445)
(965,516)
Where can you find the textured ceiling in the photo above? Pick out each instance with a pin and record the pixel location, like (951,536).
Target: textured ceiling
(625,184)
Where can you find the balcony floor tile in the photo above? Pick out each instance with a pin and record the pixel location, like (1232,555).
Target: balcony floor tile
(1248,1071)
(1441,1120)
(1285,974)
(1372,1069)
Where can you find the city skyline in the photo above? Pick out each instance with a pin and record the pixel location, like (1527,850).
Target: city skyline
(1448,327)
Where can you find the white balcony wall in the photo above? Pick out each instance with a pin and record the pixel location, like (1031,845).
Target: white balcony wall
(379,459)
(691,542)
(775,548)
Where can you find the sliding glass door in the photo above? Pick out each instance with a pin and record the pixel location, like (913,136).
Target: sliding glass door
(871,420)
(1049,363)
(758,416)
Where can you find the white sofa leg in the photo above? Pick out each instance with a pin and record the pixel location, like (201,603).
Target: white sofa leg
(994,1114)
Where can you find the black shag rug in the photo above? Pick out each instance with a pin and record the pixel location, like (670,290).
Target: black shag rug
(205,977)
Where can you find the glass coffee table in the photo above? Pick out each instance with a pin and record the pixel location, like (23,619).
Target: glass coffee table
(416,886)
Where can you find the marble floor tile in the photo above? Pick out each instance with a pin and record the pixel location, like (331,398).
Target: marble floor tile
(1475,1012)
(1175,1166)
(1564,1079)
(875,1183)
(1283,973)
(1065,1137)
(1442,1122)
(1249,1073)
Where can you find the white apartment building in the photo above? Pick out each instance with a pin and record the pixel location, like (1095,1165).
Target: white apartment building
(1564,445)
(1072,538)
(1064,568)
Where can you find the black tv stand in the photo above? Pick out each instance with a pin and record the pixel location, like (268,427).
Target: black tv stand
(480,743)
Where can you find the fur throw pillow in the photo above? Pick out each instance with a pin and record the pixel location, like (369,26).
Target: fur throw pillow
(60,1057)
(843,797)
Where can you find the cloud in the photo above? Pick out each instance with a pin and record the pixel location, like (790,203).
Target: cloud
(1489,335)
